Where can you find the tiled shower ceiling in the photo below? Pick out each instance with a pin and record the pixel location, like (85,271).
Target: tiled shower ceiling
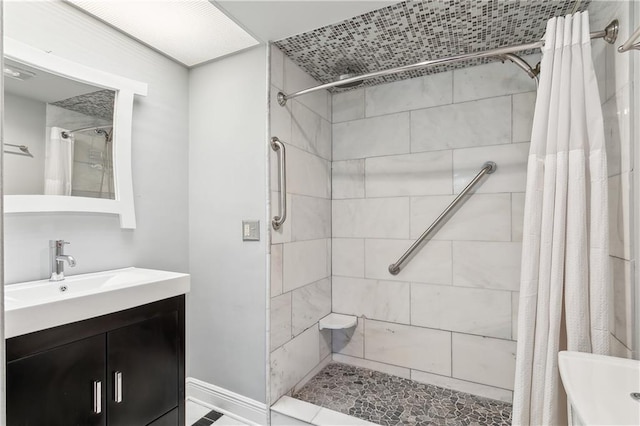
(414,31)
(96,104)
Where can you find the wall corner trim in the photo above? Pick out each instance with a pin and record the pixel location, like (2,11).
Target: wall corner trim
(226,400)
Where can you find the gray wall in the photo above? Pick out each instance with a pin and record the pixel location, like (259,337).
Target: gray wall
(159,152)
(227,183)
(25,121)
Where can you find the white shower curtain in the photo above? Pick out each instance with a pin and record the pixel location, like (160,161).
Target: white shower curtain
(58,163)
(565,269)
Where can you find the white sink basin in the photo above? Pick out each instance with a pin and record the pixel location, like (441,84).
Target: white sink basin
(37,305)
(599,388)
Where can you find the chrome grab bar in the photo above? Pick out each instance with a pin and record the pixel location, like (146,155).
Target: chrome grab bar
(487,168)
(278,146)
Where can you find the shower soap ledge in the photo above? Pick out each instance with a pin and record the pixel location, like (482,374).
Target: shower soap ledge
(335,321)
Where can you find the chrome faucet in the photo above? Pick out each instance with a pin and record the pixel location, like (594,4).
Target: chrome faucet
(56,250)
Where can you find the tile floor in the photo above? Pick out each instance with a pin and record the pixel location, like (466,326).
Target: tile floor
(390,400)
(199,415)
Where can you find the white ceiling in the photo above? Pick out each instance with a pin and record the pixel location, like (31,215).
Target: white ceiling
(189,31)
(274,20)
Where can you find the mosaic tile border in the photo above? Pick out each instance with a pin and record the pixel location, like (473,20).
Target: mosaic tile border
(390,400)
(414,31)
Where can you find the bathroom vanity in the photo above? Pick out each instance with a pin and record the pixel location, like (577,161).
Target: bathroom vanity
(105,348)
(117,358)
(125,368)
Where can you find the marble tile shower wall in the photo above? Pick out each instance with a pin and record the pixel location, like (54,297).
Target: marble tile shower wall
(615,84)
(401,152)
(301,249)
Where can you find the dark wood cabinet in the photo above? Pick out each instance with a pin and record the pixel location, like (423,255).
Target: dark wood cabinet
(56,386)
(169,419)
(121,369)
(147,383)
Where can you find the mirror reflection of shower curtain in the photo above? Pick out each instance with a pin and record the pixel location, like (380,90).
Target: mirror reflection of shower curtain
(58,163)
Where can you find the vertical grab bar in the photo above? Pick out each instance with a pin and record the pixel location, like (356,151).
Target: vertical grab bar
(278,146)
(487,168)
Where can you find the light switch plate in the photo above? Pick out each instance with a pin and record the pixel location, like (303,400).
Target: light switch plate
(250,230)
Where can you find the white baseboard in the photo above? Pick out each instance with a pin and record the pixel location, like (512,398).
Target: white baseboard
(226,401)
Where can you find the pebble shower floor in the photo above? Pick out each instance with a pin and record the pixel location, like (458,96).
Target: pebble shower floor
(390,400)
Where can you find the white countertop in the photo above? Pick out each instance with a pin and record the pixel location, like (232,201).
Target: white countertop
(38,305)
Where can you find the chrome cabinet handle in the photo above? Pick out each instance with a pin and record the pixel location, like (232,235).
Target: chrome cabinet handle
(117,392)
(97,396)
(278,146)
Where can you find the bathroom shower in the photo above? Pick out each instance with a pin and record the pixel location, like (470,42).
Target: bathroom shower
(93,161)
(402,139)
(107,162)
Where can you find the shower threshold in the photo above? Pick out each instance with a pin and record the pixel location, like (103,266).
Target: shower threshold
(390,400)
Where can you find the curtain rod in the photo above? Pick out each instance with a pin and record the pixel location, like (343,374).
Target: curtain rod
(65,134)
(609,34)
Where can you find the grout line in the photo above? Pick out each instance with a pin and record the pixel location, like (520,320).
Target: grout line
(364,257)
(470,147)
(290,145)
(375,362)
(292,336)
(364,340)
(451,353)
(393,197)
(511,215)
(364,178)
(364,104)
(453,82)
(410,303)
(459,379)
(452,264)
(465,333)
(512,313)
(413,239)
(443,105)
(412,200)
(453,173)
(510,227)
(410,132)
(511,138)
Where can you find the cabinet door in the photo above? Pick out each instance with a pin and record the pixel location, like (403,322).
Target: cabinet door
(56,387)
(142,364)
(169,419)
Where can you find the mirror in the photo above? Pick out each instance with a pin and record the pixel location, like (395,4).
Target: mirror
(67,139)
(58,135)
